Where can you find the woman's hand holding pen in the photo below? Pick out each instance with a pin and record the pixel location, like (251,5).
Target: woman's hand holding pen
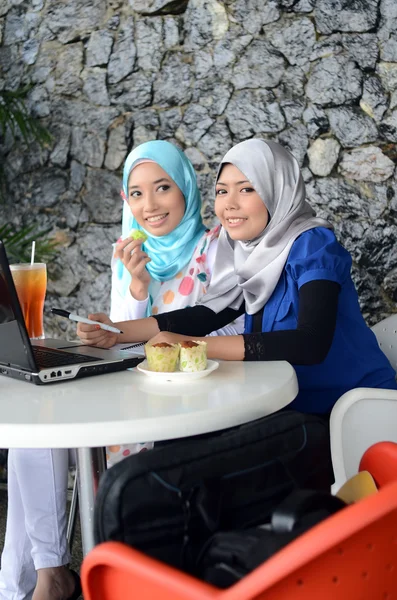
(139,330)
(135,260)
(93,335)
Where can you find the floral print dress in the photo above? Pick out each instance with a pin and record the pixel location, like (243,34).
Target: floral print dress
(185,289)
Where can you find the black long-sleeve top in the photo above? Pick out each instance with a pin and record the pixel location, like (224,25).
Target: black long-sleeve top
(308,344)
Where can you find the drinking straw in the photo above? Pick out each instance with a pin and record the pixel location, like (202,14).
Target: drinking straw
(33,250)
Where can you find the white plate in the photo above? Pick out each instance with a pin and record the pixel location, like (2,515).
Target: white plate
(178,375)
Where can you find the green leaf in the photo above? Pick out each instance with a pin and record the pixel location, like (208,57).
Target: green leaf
(14,114)
(18,243)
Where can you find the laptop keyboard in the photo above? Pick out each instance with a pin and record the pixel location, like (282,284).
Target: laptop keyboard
(49,357)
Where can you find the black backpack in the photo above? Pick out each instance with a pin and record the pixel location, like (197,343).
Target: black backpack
(170,501)
(230,555)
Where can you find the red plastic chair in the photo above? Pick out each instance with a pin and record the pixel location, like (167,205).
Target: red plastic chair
(381,461)
(351,555)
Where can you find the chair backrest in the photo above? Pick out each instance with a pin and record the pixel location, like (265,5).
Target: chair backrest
(357,487)
(381,461)
(349,555)
(360,418)
(386,334)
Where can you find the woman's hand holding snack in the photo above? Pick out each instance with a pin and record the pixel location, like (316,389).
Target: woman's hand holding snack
(93,335)
(134,259)
(169,338)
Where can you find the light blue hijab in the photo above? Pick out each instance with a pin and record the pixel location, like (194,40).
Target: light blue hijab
(169,253)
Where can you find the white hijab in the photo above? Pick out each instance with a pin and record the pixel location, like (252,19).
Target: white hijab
(250,270)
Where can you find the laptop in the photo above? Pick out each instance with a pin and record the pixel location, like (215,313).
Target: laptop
(48,360)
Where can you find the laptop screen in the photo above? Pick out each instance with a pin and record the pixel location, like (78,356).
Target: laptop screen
(6,311)
(15,347)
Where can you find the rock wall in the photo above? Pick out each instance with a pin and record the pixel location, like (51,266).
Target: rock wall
(319,76)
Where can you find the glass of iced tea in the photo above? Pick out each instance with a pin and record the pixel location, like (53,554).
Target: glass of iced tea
(31,284)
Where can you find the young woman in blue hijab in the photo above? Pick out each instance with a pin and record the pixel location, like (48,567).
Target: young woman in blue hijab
(170,270)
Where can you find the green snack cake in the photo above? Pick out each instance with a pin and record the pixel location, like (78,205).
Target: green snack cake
(193,356)
(135,234)
(162,357)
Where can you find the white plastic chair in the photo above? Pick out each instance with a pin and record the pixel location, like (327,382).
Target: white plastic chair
(386,334)
(364,416)
(360,418)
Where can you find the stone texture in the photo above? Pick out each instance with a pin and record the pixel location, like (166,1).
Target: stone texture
(388,18)
(150,46)
(101,196)
(68,69)
(352,126)
(95,86)
(251,15)
(133,92)
(61,135)
(251,112)
(366,164)
(67,21)
(99,48)
(292,109)
(196,122)
(259,66)
(323,155)
(327,46)
(146,125)
(172,86)
(388,74)
(294,39)
(216,141)
(345,15)
(388,49)
(169,122)
(171,26)
(374,99)
(4,7)
(213,95)
(227,51)
(15,29)
(295,138)
(87,147)
(388,127)
(77,176)
(316,120)
(39,102)
(203,74)
(151,7)
(334,81)
(30,51)
(362,48)
(304,6)
(116,148)
(205,21)
(122,58)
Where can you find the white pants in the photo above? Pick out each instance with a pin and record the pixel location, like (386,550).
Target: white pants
(36,519)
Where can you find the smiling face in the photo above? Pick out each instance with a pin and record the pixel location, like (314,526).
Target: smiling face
(155,200)
(239,208)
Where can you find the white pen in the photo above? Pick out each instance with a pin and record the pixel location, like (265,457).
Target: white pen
(68,315)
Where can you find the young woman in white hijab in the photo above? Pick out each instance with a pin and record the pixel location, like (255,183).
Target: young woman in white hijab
(283,267)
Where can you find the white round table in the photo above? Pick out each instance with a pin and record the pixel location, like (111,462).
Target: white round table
(127,407)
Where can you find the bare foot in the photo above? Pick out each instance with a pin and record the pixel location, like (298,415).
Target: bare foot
(54,583)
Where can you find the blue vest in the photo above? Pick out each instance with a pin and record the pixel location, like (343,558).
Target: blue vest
(354,359)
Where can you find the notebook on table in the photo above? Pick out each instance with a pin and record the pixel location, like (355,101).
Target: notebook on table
(48,360)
